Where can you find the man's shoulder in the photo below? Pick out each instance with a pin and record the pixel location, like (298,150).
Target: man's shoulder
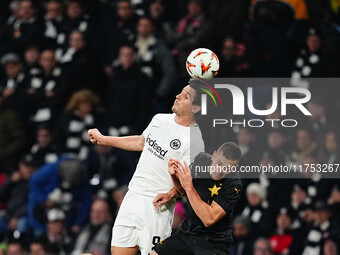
(233,179)
(163,116)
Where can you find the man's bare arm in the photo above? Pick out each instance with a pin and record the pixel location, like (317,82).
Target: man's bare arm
(177,185)
(128,143)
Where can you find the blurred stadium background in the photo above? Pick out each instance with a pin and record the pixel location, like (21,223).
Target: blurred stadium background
(67,66)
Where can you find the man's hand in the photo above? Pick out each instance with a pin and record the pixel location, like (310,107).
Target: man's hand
(161,199)
(95,136)
(172,166)
(184,176)
(8,92)
(75,229)
(16,176)
(164,198)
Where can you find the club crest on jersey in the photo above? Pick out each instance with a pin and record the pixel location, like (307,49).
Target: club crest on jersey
(155,148)
(175,144)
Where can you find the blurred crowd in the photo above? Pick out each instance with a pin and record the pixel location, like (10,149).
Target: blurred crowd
(67,66)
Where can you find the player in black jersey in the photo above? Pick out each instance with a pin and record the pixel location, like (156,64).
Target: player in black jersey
(212,193)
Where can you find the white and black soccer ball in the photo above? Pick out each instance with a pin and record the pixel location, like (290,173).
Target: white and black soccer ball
(202,63)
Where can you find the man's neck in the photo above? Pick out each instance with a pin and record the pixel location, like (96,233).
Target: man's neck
(186,121)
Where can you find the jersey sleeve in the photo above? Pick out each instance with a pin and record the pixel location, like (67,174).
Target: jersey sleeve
(146,130)
(229,196)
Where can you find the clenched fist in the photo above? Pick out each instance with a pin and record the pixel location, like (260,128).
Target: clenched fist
(95,136)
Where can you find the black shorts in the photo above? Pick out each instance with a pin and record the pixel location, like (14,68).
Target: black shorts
(182,243)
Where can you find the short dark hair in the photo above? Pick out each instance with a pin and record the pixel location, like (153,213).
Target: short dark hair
(230,151)
(152,21)
(129,45)
(124,1)
(75,1)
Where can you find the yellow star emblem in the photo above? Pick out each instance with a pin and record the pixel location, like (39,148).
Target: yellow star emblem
(214,190)
(237,190)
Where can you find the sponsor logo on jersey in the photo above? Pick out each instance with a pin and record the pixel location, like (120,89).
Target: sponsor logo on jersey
(157,149)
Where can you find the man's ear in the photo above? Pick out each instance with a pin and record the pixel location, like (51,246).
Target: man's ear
(195,108)
(213,155)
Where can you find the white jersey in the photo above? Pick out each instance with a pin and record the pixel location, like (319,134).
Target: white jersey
(164,140)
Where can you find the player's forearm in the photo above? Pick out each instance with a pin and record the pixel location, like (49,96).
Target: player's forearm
(173,193)
(202,209)
(178,185)
(128,143)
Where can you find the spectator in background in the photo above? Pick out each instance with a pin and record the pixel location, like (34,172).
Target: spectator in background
(192,21)
(243,240)
(81,114)
(126,20)
(44,151)
(37,248)
(334,201)
(331,247)
(329,152)
(319,120)
(14,7)
(162,24)
(305,145)
(95,236)
(299,204)
(117,197)
(331,42)
(246,142)
(61,184)
(56,239)
(124,30)
(183,40)
(12,135)
(31,57)
(228,58)
(108,169)
(309,62)
(156,62)
(75,20)
(275,142)
(318,186)
(275,115)
(257,211)
(53,34)
(266,43)
(14,82)
(14,192)
(15,247)
(274,182)
(262,247)
(25,28)
(77,63)
(44,93)
(321,228)
(128,84)
(286,240)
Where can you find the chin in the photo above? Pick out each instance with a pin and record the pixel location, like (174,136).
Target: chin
(215,177)
(173,109)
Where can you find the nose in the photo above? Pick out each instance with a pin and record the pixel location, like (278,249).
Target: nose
(178,96)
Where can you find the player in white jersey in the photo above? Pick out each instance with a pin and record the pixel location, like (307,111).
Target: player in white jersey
(139,225)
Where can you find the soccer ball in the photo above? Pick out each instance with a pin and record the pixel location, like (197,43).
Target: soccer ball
(202,64)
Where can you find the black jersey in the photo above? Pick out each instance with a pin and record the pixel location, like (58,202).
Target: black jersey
(225,192)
